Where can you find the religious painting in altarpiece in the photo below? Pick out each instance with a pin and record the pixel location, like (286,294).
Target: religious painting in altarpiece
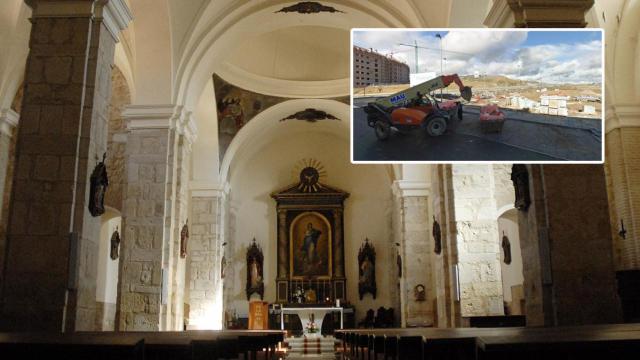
(310,246)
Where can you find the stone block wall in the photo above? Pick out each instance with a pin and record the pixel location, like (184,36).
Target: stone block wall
(61,137)
(143,236)
(477,240)
(116,144)
(584,286)
(566,247)
(412,229)
(204,259)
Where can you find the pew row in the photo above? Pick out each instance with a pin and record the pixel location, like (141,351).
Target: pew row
(488,343)
(199,344)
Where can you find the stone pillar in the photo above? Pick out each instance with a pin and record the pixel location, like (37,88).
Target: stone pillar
(51,270)
(283,254)
(538,13)
(477,240)
(338,256)
(412,231)
(205,257)
(622,156)
(566,248)
(8,123)
(152,216)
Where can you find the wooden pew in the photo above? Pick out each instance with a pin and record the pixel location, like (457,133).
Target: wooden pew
(619,345)
(199,344)
(452,343)
(69,346)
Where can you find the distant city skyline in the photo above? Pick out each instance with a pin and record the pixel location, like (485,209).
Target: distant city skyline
(545,56)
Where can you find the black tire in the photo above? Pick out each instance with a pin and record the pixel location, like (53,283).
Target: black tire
(436,126)
(383,130)
(372,119)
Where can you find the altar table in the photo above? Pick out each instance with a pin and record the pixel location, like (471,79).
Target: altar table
(305,312)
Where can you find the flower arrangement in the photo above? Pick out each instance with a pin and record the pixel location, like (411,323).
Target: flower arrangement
(311,325)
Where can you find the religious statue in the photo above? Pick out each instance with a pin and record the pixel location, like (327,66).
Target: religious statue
(506,247)
(223,266)
(255,283)
(520,179)
(254,274)
(367,270)
(309,243)
(99,182)
(437,237)
(115,245)
(184,237)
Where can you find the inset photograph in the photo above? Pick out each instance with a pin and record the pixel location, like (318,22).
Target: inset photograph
(460,95)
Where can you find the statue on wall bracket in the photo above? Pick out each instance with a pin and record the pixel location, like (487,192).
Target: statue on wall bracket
(367,270)
(437,237)
(520,178)
(506,247)
(255,283)
(184,238)
(115,245)
(99,182)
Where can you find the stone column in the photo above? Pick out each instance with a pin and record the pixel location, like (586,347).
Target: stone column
(205,256)
(152,217)
(283,254)
(51,270)
(8,123)
(566,248)
(477,240)
(338,256)
(413,232)
(622,154)
(538,13)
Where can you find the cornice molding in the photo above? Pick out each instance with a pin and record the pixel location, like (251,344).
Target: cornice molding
(550,13)
(8,121)
(116,17)
(208,189)
(146,117)
(622,116)
(169,116)
(115,14)
(499,15)
(409,188)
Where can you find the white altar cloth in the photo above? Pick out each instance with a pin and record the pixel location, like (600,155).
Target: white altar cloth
(305,313)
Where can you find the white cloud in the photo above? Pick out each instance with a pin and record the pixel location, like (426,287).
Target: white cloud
(492,53)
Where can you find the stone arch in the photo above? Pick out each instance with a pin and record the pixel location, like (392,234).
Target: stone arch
(626,75)
(209,39)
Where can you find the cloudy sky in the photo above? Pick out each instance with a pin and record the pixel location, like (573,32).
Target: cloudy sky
(546,56)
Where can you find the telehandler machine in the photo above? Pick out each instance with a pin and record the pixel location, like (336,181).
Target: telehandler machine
(414,108)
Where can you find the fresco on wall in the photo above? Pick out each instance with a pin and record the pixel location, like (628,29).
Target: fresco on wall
(237,106)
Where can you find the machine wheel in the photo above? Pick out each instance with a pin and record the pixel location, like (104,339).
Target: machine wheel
(383,130)
(436,126)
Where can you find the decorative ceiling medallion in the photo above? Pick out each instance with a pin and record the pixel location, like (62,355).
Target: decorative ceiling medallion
(310,115)
(309,7)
